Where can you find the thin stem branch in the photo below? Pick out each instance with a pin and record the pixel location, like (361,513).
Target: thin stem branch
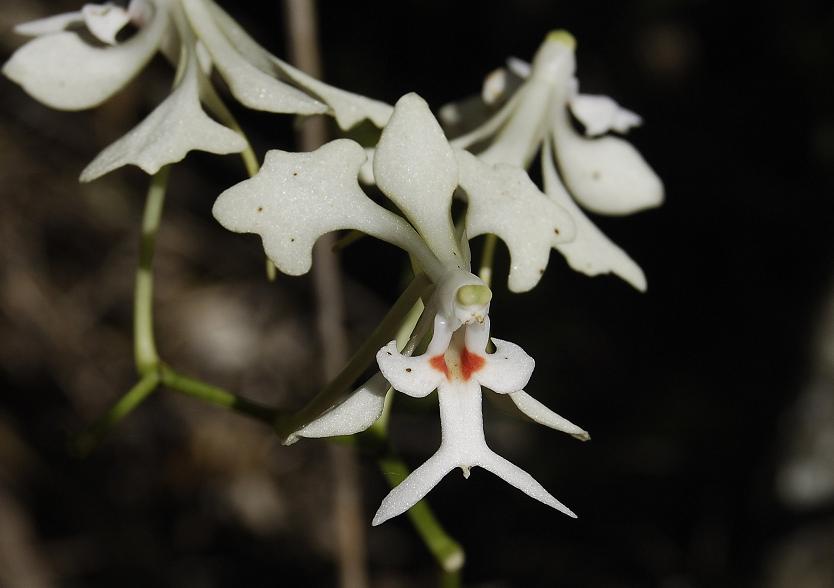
(214,395)
(89,439)
(144,344)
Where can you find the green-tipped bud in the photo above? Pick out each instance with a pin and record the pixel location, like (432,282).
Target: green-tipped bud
(474,295)
(561,36)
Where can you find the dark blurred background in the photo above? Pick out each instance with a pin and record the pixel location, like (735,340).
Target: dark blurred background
(710,398)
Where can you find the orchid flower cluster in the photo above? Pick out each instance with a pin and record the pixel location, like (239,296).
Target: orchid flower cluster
(80,59)
(297,197)
(64,68)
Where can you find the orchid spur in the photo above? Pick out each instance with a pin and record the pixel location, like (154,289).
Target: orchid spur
(297,197)
(63,68)
(603,174)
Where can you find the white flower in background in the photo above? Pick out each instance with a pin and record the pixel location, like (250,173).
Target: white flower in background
(603,174)
(64,68)
(297,197)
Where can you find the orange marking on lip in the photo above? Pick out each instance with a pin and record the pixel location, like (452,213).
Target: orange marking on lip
(438,362)
(470,363)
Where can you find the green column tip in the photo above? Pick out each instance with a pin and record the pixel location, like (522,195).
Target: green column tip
(562,36)
(474,295)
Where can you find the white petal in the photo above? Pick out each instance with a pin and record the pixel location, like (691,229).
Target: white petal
(297,197)
(517,477)
(505,202)
(544,416)
(415,376)
(356,413)
(174,128)
(348,108)
(591,252)
(251,86)
(496,86)
(64,72)
(49,25)
(605,175)
(506,370)
(411,490)
(600,114)
(519,67)
(414,166)
(104,21)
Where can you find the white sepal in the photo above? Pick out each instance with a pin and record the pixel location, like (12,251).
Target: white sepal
(591,252)
(251,86)
(544,416)
(175,127)
(414,376)
(519,67)
(49,25)
(297,197)
(64,72)
(105,21)
(414,166)
(354,414)
(605,175)
(505,202)
(601,114)
(348,108)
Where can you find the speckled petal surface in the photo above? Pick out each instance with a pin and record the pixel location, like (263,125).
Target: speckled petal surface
(504,201)
(297,197)
(414,376)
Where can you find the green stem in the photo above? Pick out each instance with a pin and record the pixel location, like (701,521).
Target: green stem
(361,359)
(450,579)
(485,273)
(215,395)
(448,552)
(92,436)
(144,345)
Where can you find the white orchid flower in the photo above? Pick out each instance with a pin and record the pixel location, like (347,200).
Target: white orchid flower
(62,68)
(297,197)
(604,174)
